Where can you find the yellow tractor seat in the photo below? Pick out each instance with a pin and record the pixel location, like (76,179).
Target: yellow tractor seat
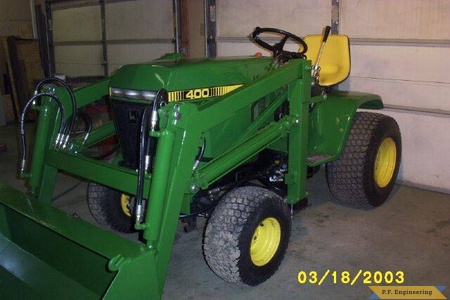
(335,60)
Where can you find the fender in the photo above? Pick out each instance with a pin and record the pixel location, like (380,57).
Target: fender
(330,122)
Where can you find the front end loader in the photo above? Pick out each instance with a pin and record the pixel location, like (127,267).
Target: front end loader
(231,139)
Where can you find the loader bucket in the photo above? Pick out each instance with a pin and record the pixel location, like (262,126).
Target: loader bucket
(48,254)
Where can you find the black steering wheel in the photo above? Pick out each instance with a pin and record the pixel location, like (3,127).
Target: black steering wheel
(277,49)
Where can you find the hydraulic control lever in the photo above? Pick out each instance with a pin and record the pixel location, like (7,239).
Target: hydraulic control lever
(315,73)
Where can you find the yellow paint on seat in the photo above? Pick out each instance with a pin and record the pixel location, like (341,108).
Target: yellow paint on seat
(335,61)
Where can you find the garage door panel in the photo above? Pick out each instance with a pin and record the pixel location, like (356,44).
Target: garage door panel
(77,24)
(136,53)
(399,19)
(239,18)
(426,144)
(79,60)
(415,63)
(421,95)
(141,19)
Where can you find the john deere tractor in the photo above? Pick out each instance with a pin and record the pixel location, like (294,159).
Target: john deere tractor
(229,139)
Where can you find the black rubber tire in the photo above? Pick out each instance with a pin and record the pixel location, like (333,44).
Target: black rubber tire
(230,229)
(104,204)
(351,178)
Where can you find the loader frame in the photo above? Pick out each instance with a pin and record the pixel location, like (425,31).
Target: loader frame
(307,134)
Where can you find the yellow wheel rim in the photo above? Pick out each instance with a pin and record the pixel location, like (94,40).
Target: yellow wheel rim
(385,162)
(125,204)
(265,241)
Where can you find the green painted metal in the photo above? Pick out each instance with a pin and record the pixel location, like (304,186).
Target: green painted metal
(44,135)
(85,95)
(299,95)
(84,260)
(181,74)
(330,122)
(49,254)
(242,152)
(120,178)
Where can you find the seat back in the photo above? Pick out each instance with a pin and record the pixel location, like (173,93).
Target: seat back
(335,60)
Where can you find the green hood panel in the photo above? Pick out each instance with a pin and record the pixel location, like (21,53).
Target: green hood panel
(187,74)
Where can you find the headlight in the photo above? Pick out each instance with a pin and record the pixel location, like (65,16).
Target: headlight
(132,94)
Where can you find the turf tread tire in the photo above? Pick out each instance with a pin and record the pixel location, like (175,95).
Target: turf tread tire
(104,205)
(230,229)
(351,177)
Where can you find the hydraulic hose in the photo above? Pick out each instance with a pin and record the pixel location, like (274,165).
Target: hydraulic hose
(199,156)
(69,129)
(22,125)
(141,168)
(160,101)
(147,147)
(88,120)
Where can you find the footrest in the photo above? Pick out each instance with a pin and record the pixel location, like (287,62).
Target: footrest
(317,159)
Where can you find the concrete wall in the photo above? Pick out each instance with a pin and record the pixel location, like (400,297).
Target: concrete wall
(136,31)
(400,50)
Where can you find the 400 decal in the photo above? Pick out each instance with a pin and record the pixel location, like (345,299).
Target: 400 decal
(201,93)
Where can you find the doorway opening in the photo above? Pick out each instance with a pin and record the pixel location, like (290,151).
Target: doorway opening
(195,28)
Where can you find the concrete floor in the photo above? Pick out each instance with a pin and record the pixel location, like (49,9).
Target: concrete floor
(409,233)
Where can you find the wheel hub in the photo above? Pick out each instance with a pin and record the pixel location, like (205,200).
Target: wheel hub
(265,241)
(385,162)
(125,204)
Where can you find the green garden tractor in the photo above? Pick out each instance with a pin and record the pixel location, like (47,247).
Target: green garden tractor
(231,139)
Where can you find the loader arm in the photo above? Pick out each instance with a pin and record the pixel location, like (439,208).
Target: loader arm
(169,187)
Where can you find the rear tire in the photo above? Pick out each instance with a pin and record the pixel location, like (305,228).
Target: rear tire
(366,172)
(247,235)
(110,208)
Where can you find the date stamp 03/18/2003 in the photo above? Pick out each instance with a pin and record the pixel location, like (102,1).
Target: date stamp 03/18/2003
(392,280)
(346,277)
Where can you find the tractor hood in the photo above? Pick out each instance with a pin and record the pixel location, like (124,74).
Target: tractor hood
(183,74)
(134,87)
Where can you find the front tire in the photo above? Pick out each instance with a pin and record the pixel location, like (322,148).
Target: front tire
(247,235)
(110,208)
(365,174)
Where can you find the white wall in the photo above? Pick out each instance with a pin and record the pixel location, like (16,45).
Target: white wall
(426,147)
(237,19)
(136,31)
(400,50)
(399,19)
